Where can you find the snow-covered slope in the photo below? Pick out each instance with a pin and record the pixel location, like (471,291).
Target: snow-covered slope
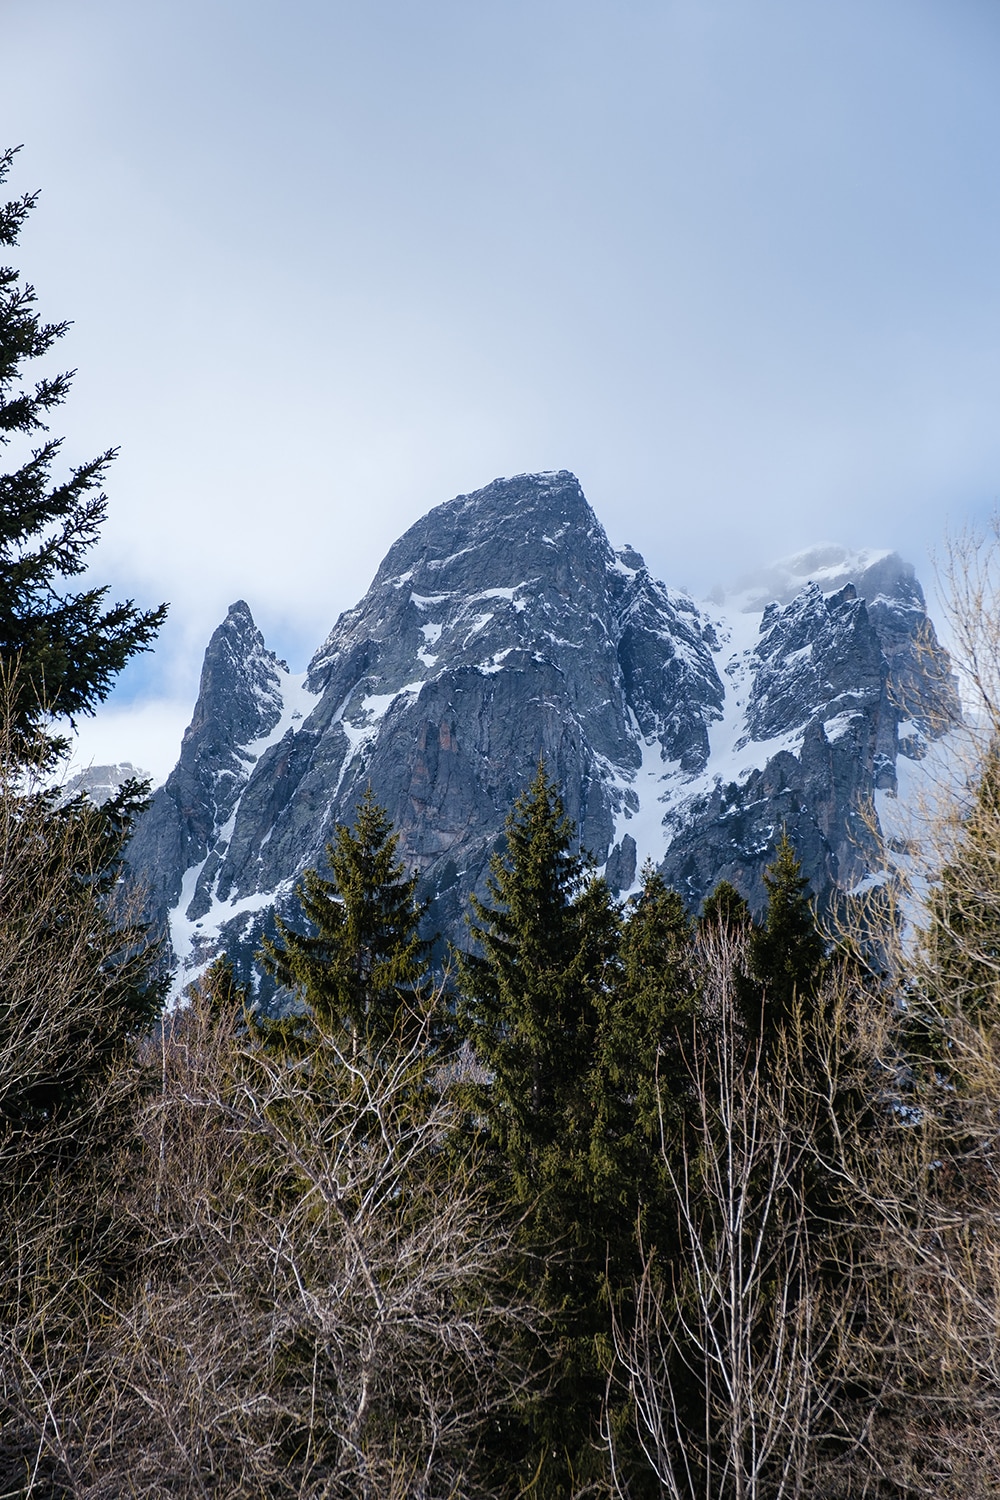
(829,684)
(503,627)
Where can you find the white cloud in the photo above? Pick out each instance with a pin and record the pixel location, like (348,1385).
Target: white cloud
(148,734)
(735,266)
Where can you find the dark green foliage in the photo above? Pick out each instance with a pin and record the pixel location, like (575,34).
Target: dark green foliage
(96,993)
(363,964)
(725,908)
(60,651)
(787,952)
(529,1004)
(726,915)
(646,1020)
(788,961)
(59,654)
(642,1097)
(221,989)
(77,991)
(532,1006)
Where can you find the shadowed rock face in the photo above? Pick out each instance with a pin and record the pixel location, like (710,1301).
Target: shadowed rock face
(502,627)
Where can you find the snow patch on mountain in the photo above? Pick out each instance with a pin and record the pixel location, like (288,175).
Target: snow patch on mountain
(100,784)
(775,681)
(296,702)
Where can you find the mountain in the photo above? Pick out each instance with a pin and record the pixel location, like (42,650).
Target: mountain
(503,626)
(101,783)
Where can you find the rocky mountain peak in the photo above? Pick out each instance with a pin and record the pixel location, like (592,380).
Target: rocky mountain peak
(818,654)
(240,704)
(239,695)
(511,518)
(501,545)
(502,626)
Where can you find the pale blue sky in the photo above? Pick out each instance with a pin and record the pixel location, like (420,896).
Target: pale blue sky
(736,264)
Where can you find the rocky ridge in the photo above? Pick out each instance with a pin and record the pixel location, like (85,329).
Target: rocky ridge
(503,626)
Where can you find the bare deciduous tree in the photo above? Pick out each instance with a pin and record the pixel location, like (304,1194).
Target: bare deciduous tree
(315,1317)
(732,1352)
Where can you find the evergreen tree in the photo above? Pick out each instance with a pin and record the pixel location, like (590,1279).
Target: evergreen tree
(725,907)
(805,1038)
(531,1008)
(641,1097)
(60,651)
(645,1020)
(362,967)
(222,990)
(59,654)
(77,989)
(529,997)
(787,952)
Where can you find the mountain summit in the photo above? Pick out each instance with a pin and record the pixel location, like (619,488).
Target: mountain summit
(503,627)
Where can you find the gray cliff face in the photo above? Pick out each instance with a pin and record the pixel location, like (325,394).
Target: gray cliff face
(665,645)
(239,702)
(500,628)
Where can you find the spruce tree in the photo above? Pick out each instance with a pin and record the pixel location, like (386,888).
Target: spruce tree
(362,965)
(60,650)
(799,1037)
(787,952)
(646,1017)
(726,915)
(724,907)
(221,989)
(641,1097)
(529,996)
(531,1009)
